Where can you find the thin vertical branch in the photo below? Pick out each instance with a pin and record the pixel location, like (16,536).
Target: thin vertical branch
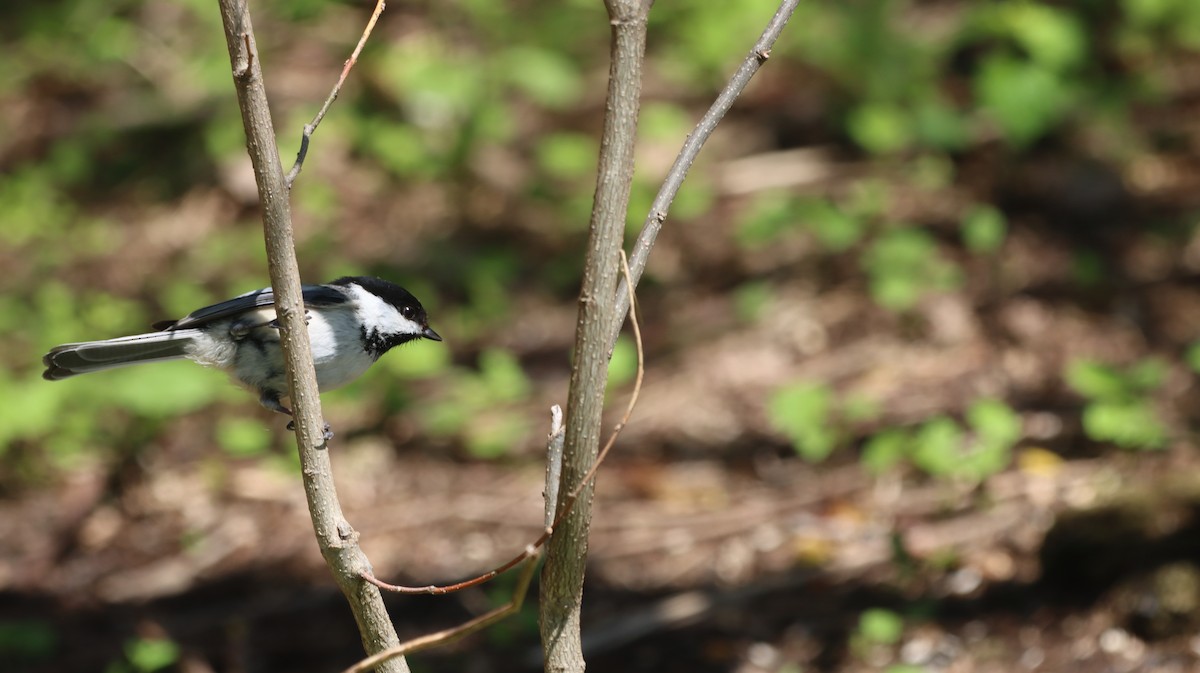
(562,577)
(337,540)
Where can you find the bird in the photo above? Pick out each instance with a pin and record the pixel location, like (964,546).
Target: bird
(352,322)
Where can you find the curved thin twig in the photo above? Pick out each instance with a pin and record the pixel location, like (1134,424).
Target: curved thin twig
(450,635)
(758,55)
(311,127)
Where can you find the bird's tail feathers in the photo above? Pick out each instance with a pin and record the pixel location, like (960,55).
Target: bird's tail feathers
(93,356)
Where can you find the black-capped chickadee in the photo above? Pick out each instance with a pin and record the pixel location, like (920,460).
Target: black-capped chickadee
(351,323)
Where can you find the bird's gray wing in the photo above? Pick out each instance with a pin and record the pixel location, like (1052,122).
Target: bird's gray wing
(314,295)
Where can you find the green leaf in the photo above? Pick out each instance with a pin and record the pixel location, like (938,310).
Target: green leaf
(880,128)
(1025,99)
(936,447)
(885,450)
(1128,424)
(984,229)
(903,264)
(802,412)
(1052,37)
(1096,380)
(881,626)
(982,459)
(995,422)
(148,655)
(836,229)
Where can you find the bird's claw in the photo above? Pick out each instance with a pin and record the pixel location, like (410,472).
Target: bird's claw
(291,426)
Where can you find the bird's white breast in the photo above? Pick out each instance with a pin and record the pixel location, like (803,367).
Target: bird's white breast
(337,347)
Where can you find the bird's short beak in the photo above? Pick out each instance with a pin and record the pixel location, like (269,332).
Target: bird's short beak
(432,335)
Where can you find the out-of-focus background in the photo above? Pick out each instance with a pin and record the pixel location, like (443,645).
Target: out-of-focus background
(921,334)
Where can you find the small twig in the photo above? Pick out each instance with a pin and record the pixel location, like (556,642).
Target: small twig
(569,502)
(554,451)
(462,630)
(691,147)
(311,127)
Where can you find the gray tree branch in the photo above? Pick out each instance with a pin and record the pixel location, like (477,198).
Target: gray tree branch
(562,577)
(337,540)
(603,303)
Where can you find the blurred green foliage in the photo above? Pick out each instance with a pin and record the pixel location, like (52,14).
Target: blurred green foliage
(880,626)
(879,629)
(146,655)
(1120,403)
(817,422)
(622,368)
(903,264)
(478,405)
(816,419)
(27,641)
(243,436)
(941,447)
(495,112)
(1192,357)
(984,229)
(805,414)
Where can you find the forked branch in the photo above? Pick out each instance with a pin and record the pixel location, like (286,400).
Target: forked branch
(534,551)
(337,540)
(758,55)
(311,127)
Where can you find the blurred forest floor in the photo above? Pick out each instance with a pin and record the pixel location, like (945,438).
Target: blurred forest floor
(920,381)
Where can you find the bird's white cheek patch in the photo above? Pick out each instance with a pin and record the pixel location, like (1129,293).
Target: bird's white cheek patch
(377,313)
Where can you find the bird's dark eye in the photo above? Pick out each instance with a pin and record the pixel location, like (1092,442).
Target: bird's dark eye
(408,312)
